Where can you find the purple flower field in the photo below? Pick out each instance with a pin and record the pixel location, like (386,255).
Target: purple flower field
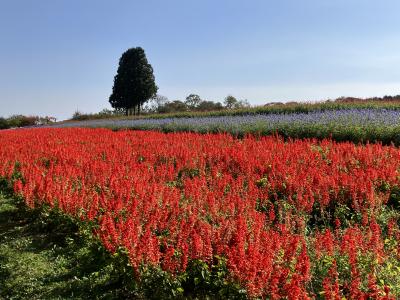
(332,118)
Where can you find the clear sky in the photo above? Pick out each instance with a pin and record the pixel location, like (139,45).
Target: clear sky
(59,56)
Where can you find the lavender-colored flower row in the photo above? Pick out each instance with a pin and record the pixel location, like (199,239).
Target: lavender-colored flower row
(335,118)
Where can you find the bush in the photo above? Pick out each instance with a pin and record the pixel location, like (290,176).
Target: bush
(22,121)
(174,106)
(209,106)
(4,124)
(105,113)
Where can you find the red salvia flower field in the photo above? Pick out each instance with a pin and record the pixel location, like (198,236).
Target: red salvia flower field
(295,219)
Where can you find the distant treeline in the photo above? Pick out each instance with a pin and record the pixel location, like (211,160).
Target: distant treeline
(395,98)
(22,121)
(161,105)
(193,106)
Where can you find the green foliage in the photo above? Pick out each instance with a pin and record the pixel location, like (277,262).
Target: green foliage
(22,121)
(205,282)
(200,281)
(189,105)
(209,106)
(105,113)
(158,284)
(394,199)
(389,272)
(174,106)
(230,102)
(188,172)
(4,124)
(134,83)
(45,254)
(193,101)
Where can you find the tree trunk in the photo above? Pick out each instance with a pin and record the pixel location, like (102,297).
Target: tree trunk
(126,111)
(138,108)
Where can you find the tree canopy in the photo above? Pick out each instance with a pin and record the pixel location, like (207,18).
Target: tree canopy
(193,101)
(232,103)
(134,83)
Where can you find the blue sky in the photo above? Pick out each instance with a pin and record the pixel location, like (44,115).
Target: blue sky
(58,56)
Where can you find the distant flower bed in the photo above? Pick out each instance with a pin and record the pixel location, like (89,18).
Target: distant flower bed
(358,125)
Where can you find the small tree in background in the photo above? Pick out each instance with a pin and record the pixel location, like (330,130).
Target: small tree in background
(174,106)
(22,121)
(243,103)
(209,106)
(231,102)
(4,124)
(193,101)
(134,83)
(155,103)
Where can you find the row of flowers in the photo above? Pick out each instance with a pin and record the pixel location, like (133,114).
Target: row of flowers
(344,117)
(356,125)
